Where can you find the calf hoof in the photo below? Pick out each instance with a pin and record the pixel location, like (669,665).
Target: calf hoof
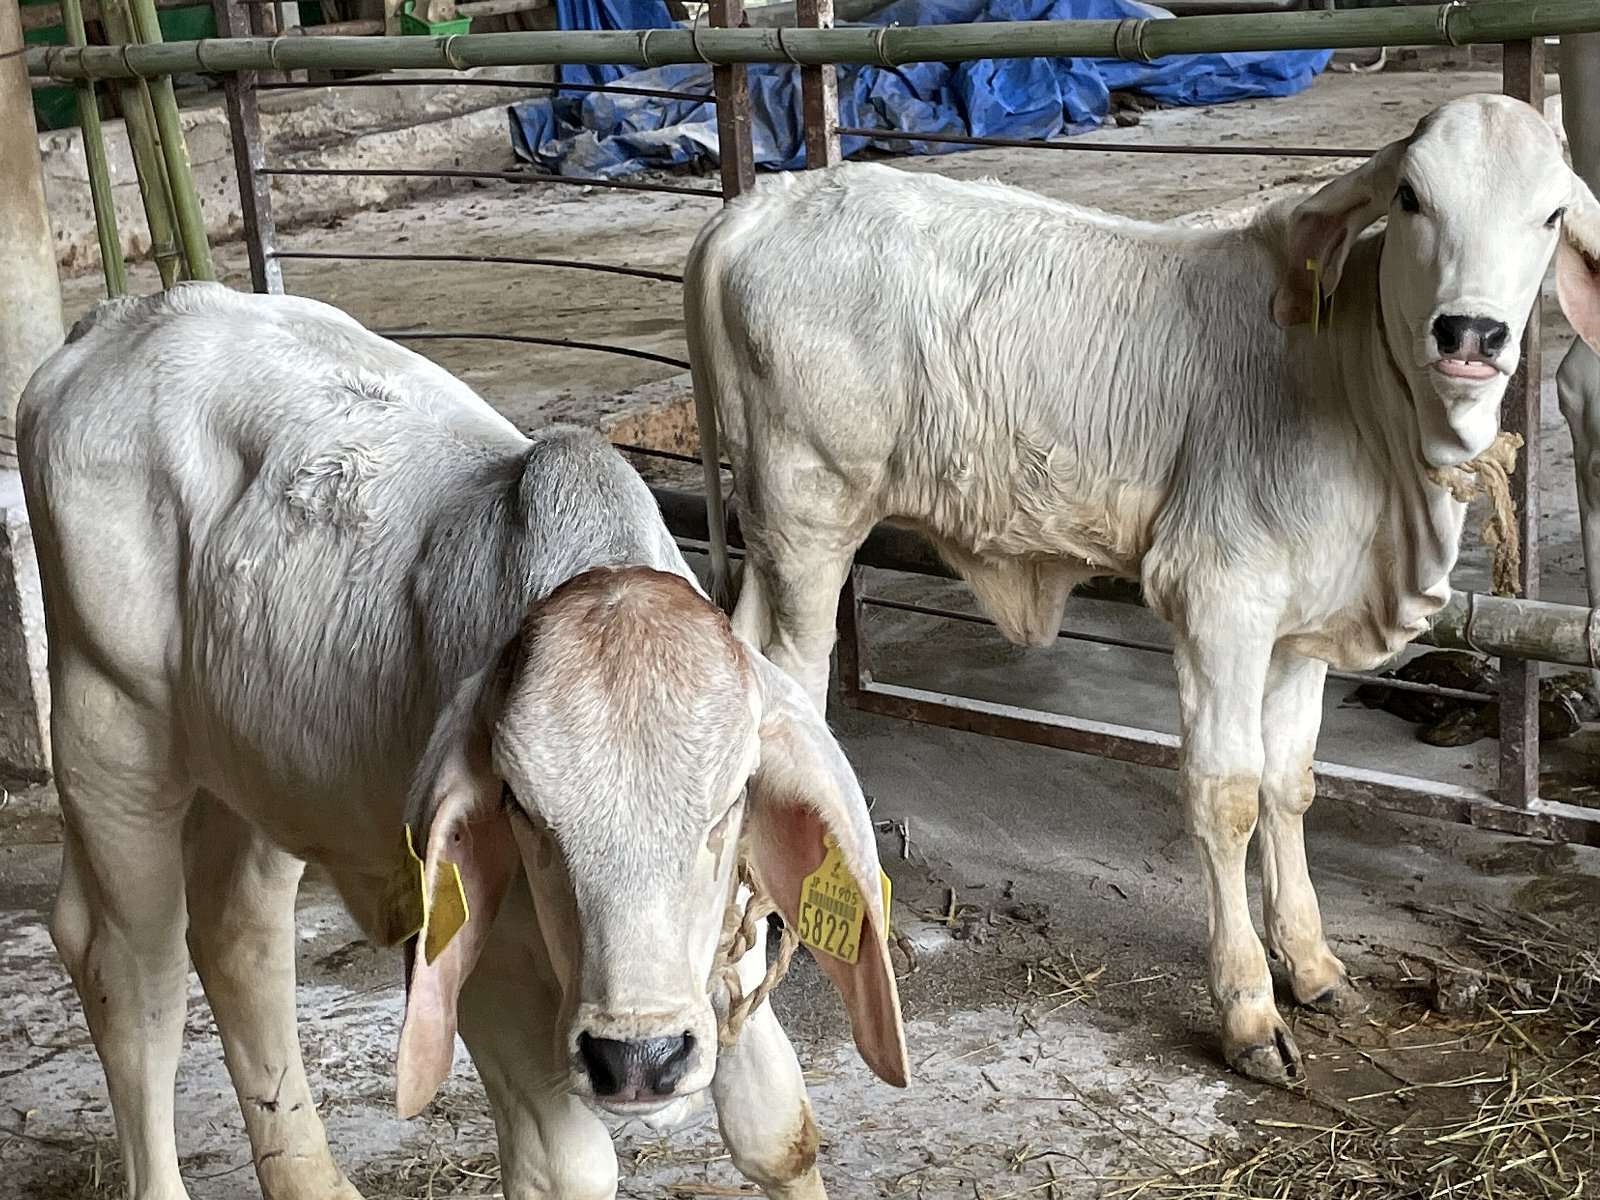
(1341,998)
(281,1180)
(1272,1058)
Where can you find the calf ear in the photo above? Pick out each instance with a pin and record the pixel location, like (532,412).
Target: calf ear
(1324,227)
(1578,264)
(802,790)
(469,856)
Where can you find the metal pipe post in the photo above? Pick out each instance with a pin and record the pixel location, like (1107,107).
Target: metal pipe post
(1523,71)
(732,86)
(255,189)
(819,91)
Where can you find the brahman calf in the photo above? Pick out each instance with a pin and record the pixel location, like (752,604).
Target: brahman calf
(311,599)
(1259,424)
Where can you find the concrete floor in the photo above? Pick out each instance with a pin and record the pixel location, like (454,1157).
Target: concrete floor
(1051,903)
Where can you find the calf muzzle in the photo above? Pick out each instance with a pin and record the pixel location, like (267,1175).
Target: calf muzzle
(640,1071)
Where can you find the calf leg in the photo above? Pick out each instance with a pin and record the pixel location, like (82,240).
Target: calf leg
(241,934)
(119,915)
(789,602)
(761,1101)
(1291,716)
(552,1147)
(1222,668)
(1578,389)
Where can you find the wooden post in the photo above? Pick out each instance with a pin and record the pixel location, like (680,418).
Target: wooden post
(30,331)
(1519,413)
(819,91)
(732,87)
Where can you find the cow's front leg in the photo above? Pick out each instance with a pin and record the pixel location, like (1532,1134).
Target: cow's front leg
(552,1146)
(761,1101)
(1222,669)
(1291,717)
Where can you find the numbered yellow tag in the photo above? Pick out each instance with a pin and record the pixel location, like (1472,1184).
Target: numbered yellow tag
(832,909)
(437,918)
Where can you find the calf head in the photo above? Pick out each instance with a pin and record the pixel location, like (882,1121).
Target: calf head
(1477,199)
(622,755)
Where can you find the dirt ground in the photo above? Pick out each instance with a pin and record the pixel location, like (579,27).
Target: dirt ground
(1049,909)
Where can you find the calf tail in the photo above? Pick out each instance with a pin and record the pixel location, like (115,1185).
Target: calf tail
(702,312)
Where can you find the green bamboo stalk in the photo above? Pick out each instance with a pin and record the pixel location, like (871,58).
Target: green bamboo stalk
(175,153)
(1448,24)
(94,154)
(138,114)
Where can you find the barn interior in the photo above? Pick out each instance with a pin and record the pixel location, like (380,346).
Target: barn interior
(1048,928)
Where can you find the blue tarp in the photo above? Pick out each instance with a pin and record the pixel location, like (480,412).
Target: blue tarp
(600,135)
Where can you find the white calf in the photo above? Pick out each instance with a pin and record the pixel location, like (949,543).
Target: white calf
(1252,422)
(309,596)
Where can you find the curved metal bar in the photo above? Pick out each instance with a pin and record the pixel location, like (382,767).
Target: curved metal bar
(897,135)
(497,259)
(508,176)
(429,335)
(537,85)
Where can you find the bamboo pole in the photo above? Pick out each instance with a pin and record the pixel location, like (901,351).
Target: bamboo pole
(138,115)
(174,152)
(1134,39)
(94,156)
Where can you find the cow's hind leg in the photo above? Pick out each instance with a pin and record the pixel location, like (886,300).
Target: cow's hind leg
(761,1101)
(1291,716)
(789,599)
(119,915)
(1222,668)
(241,934)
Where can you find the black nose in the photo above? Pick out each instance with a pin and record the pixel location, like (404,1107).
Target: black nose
(1452,330)
(636,1070)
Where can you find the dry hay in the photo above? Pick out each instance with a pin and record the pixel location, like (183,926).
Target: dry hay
(1525,1128)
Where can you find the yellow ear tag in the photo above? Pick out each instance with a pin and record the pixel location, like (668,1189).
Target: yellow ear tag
(437,918)
(406,907)
(446,914)
(1322,303)
(832,909)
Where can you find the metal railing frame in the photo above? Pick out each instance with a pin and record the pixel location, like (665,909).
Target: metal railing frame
(1536,631)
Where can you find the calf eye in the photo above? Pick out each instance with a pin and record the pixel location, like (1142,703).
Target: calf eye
(1408,198)
(1550,222)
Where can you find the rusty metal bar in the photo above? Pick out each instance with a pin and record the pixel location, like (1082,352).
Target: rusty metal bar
(731,83)
(1122,643)
(1554,633)
(819,92)
(524,177)
(897,135)
(524,339)
(492,259)
(244,127)
(1523,71)
(1155,748)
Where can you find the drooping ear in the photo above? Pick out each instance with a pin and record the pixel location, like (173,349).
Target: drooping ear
(1578,264)
(1324,227)
(468,857)
(802,790)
